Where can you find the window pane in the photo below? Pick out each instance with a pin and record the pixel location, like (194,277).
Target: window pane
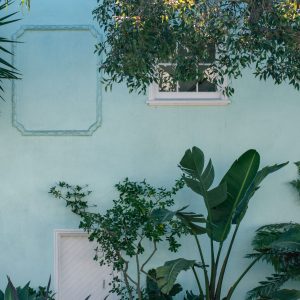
(205,86)
(166,82)
(211,54)
(188,86)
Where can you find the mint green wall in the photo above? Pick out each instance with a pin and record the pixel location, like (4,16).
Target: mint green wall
(139,141)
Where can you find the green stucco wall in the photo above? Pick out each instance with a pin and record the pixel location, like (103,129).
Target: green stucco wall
(138,141)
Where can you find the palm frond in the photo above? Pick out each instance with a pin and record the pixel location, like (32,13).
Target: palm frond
(280,246)
(268,287)
(7,70)
(23,2)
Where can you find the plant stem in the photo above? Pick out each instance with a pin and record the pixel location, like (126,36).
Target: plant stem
(127,285)
(232,289)
(204,266)
(198,283)
(212,252)
(223,269)
(213,264)
(215,269)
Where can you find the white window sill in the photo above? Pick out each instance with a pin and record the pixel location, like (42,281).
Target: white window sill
(182,102)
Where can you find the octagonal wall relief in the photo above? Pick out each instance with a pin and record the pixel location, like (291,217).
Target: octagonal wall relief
(59,92)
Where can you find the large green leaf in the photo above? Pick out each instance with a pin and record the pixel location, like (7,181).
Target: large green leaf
(217,195)
(239,178)
(167,274)
(260,176)
(10,291)
(23,293)
(200,180)
(154,292)
(192,164)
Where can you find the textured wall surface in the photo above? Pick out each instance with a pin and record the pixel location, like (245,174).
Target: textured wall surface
(140,142)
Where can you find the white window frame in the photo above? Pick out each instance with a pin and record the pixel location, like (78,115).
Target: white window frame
(157,98)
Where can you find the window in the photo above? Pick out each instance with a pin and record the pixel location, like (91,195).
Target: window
(195,92)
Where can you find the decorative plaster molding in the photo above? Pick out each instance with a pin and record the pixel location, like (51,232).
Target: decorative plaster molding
(16,97)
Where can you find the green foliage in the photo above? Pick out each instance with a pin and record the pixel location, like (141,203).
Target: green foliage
(23,2)
(167,274)
(7,70)
(140,34)
(143,213)
(278,245)
(123,231)
(192,221)
(154,292)
(26,293)
(226,205)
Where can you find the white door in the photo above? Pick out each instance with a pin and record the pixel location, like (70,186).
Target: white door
(77,274)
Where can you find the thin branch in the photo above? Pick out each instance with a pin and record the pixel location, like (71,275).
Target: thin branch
(128,277)
(125,275)
(138,276)
(132,280)
(150,257)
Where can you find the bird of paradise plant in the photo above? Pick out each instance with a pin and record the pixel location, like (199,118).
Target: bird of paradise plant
(226,206)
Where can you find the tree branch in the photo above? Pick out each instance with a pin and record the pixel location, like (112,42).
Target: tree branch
(149,258)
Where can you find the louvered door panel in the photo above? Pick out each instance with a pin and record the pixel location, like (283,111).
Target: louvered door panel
(78,275)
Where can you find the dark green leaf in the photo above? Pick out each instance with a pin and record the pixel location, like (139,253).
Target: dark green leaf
(260,176)
(167,274)
(238,179)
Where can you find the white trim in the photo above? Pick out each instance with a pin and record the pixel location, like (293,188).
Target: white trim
(157,98)
(174,102)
